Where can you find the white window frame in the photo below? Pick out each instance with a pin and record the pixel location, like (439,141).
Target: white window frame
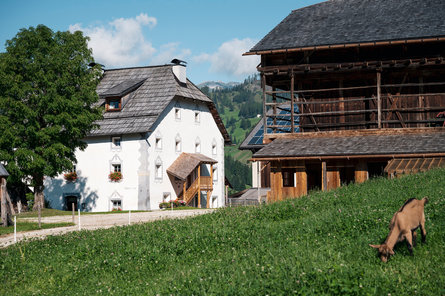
(177,113)
(197,116)
(115,139)
(214,148)
(114,166)
(158,143)
(198,145)
(166,196)
(158,170)
(215,173)
(117,201)
(178,143)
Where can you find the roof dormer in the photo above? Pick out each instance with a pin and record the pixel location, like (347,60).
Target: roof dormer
(117,96)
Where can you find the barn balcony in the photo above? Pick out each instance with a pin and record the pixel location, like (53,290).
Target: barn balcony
(191,174)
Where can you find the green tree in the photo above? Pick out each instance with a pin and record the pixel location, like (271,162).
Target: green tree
(47,96)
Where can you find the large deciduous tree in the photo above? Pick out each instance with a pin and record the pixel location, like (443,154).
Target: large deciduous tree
(47,96)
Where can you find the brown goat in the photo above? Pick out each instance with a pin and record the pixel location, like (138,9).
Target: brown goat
(403,225)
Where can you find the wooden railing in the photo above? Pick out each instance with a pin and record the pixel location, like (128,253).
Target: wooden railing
(200,183)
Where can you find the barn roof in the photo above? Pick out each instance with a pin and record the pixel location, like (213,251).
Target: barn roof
(356,21)
(149,90)
(359,145)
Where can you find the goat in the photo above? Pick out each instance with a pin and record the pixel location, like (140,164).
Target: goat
(403,225)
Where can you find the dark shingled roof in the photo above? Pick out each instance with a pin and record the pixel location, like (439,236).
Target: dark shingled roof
(355,21)
(186,163)
(355,145)
(149,90)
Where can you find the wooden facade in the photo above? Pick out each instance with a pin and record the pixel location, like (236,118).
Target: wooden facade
(338,92)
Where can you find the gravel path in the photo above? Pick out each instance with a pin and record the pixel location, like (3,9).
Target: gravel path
(92,222)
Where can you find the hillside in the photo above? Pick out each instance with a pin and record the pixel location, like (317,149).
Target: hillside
(240,107)
(315,245)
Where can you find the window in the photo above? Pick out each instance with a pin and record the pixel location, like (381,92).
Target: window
(116,205)
(288,178)
(116,142)
(197,116)
(177,113)
(158,144)
(215,173)
(114,104)
(197,145)
(166,196)
(178,147)
(214,149)
(158,169)
(116,167)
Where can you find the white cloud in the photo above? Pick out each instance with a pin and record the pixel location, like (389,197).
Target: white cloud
(121,42)
(169,51)
(228,58)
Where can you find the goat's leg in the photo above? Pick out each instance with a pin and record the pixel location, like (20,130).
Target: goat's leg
(414,234)
(409,241)
(423,231)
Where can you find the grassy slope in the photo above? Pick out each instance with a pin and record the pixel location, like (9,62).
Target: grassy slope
(313,245)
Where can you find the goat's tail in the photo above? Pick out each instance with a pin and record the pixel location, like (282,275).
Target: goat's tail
(425,200)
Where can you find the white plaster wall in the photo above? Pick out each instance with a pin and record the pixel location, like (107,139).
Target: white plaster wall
(188,130)
(94,164)
(93,167)
(255,175)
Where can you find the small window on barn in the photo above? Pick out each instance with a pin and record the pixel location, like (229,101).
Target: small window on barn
(288,178)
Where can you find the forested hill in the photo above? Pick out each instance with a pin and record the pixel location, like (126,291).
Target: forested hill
(240,107)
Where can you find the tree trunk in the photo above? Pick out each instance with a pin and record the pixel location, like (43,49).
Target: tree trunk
(39,199)
(5,211)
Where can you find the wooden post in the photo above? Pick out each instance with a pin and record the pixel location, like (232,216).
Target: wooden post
(292,124)
(199,186)
(211,184)
(341,105)
(183,190)
(263,84)
(379,102)
(324,177)
(4,213)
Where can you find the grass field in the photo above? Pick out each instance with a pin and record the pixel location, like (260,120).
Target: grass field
(316,245)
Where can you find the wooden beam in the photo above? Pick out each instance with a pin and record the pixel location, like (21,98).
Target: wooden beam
(324,177)
(263,85)
(379,102)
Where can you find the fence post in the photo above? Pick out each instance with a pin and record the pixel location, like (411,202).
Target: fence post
(72,208)
(78,211)
(129,217)
(15,229)
(40,216)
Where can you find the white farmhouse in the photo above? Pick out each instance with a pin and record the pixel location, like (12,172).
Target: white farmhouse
(161,133)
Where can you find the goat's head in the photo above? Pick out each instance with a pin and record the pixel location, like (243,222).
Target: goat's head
(384,251)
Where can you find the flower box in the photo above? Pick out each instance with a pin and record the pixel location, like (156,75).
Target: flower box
(115,176)
(70,177)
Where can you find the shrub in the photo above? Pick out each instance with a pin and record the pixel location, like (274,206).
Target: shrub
(168,204)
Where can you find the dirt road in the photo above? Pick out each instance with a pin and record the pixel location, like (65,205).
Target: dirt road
(91,222)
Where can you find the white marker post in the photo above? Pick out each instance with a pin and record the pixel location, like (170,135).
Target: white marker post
(15,229)
(78,211)
(129,217)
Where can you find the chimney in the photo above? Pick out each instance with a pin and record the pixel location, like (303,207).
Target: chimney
(179,69)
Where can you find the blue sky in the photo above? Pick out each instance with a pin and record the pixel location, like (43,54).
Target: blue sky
(209,35)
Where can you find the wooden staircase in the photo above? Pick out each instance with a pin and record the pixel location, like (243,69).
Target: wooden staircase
(200,183)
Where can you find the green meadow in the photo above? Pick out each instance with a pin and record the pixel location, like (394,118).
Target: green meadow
(315,245)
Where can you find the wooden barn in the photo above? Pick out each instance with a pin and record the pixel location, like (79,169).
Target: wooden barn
(352,89)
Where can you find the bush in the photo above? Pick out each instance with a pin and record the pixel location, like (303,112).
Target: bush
(175,203)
